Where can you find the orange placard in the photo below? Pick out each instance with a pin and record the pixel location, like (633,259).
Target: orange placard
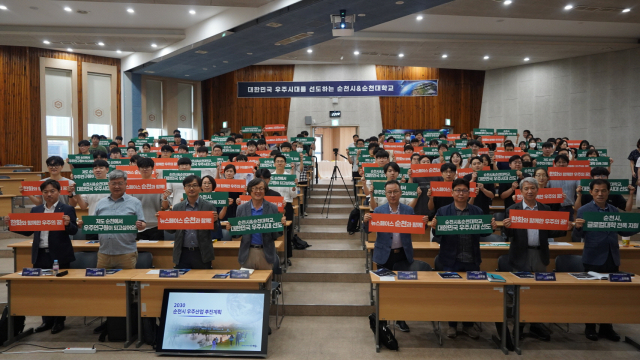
(275,139)
(365,165)
(466,171)
(545,196)
(443,188)
(569,173)
(166,164)
(185,220)
(540,220)
(425,170)
(264,153)
(36,222)
(579,163)
(482,151)
(231,185)
(155,149)
(503,156)
(403,224)
(395,146)
(403,158)
(274,127)
(255,160)
(452,137)
(133,172)
(277,200)
(574,143)
(32,188)
(496,139)
(241,167)
(151,186)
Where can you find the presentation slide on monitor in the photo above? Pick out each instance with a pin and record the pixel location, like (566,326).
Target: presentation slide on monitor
(214,321)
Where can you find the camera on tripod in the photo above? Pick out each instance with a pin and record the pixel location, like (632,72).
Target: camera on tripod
(335,151)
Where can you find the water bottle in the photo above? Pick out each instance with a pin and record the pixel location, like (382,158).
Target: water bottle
(56,267)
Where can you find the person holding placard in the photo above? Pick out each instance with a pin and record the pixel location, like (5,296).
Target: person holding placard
(601,250)
(280,161)
(48,246)
(440,159)
(569,187)
(486,192)
(193,249)
(616,200)
(174,192)
(209,185)
(448,172)
(392,248)
(392,171)
(506,190)
(229,174)
(89,201)
(83,149)
(382,159)
(54,166)
(151,203)
(95,144)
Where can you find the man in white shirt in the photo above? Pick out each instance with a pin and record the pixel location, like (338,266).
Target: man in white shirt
(89,201)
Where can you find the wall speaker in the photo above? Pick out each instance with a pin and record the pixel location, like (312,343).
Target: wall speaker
(308,120)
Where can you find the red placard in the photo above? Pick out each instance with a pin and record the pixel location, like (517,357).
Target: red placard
(264,153)
(364,165)
(191,143)
(466,171)
(275,139)
(452,137)
(254,160)
(425,170)
(495,139)
(545,196)
(574,143)
(133,172)
(166,164)
(516,149)
(443,188)
(403,158)
(540,220)
(185,220)
(154,149)
(418,149)
(241,167)
(151,186)
(277,200)
(231,185)
(403,224)
(274,127)
(579,163)
(569,173)
(483,151)
(36,222)
(32,188)
(393,146)
(503,156)
(122,146)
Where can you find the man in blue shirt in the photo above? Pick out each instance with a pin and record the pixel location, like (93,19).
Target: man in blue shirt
(601,250)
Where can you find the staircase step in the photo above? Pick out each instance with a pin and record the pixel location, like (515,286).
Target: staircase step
(6,266)
(3,294)
(321,219)
(11,235)
(335,199)
(5,251)
(326,270)
(331,249)
(327,277)
(321,293)
(333,209)
(326,310)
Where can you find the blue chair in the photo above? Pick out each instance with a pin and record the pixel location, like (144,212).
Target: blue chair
(84,260)
(145,260)
(569,263)
(277,290)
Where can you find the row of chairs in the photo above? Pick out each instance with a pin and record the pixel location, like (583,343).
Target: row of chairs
(564,263)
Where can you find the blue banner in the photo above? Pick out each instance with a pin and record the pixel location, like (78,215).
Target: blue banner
(288,89)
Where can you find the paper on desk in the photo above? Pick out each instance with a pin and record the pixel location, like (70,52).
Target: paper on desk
(250,270)
(387,278)
(599,275)
(153,272)
(147,241)
(560,243)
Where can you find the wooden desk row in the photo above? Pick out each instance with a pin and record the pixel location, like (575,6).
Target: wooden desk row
(567,300)
(226,253)
(111,295)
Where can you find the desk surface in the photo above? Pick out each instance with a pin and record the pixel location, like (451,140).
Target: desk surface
(79,275)
(422,245)
(161,244)
(258,276)
(432,278)
(564,279)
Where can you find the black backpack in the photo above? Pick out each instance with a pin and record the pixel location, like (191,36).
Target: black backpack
(299,244)
(18,325)
(353,226)
(385,334)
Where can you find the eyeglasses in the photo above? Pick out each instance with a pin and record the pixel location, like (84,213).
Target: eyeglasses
(392,192)
(191,186)
(459,191)
(116,184)
(256,189)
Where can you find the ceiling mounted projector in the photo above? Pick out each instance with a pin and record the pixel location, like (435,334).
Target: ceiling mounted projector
(343,24)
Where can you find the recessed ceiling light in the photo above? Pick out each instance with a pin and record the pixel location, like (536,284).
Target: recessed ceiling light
(192,12)
(69,49)
(186,75)
(130,11)
(399,2)
(626,10)
(507,2)
(249,53)
(101,43)
(568,7)
(154,45)
(526,59)
(362,15)
(2,7)
(46,42)
(400,55)
(486,57)
(309,51)
(68,8)
(225,61)
(419,17)
(356,52)
(118,51)
(149,72)
(444,56)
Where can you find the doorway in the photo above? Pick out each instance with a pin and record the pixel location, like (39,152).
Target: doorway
(329,138)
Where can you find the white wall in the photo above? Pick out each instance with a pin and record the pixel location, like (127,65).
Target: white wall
(363,112)
(595,97)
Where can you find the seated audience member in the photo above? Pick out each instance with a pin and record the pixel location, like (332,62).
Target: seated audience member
(95,144)
(601,251)
(131,150)
(501,165)
(133,161)
(392,248)
(119,140)
(83,149)
(115,153)
(48,246)
(166,151)
(193,249)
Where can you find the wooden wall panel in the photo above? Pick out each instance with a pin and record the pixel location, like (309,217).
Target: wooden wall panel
(220,102)
(20,100)
(459,99)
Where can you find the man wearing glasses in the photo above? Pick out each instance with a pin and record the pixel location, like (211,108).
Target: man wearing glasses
(460,252)
(54,166)
(119,251)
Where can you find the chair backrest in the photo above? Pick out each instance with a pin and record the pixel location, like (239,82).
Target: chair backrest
(277,270)
(499,216)
(503,264)
(22,170)
(493,238)
(5,177)
(437,265)
(145,260)
(569,263)
(84,260)
(80,235)
(417,265)
(169,236)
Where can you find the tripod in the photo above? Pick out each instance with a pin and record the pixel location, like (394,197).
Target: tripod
(334,175)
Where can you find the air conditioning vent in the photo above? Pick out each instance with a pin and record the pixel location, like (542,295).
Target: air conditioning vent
(293,39)
(274,24)
(596,9)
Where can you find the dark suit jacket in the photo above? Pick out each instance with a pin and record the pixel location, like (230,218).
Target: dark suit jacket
(520,240)
(205,242)
(268,239)
(60,246)
(382,248)
(449,243)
